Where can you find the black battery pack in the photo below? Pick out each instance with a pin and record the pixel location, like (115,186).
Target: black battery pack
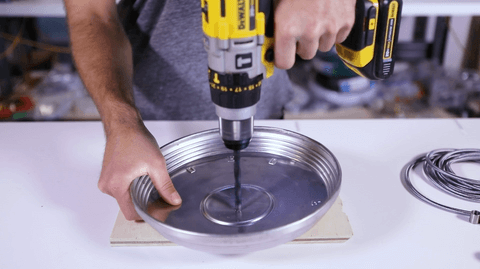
(369,50)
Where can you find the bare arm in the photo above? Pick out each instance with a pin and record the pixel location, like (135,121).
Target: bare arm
(103,57)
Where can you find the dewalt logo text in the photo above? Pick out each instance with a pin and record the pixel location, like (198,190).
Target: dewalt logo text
(241,14)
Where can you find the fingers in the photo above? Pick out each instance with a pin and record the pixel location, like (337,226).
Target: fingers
(343,33)
(308,45)
(128,155)
(118,184)
(162,182)
(327,40)
(284,48)
(122,195)
(126,206)
(303,27)
(160,210)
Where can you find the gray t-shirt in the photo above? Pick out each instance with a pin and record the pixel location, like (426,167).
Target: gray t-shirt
(170,63)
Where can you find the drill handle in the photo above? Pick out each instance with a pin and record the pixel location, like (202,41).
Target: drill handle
(267,7)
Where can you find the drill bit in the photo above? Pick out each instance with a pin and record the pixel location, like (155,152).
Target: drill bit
(238,184)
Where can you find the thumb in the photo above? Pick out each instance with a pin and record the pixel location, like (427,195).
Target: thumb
(162,182)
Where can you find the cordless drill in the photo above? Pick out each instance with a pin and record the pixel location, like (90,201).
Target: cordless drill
(238,37)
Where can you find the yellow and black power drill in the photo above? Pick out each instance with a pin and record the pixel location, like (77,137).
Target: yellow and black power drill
(239,42)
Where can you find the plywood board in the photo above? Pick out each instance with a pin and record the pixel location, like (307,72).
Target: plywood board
(334,227)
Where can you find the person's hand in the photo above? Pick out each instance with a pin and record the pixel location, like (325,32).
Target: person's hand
(305,26)
(160,210)
(130,153)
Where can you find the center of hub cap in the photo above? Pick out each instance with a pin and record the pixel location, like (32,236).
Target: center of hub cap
(220,207)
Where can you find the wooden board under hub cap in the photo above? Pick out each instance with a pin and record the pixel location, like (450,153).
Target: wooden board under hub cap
(334,227)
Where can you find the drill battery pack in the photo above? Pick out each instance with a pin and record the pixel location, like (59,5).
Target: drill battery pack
(368,50)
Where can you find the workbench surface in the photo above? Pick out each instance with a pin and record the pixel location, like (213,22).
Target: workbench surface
(53,216)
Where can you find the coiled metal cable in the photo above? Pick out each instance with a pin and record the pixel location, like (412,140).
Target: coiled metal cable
(437,168)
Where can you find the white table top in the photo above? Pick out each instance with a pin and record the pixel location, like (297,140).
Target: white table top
(54,8)
(53,215)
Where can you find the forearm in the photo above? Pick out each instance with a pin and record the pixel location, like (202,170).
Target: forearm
(103,57)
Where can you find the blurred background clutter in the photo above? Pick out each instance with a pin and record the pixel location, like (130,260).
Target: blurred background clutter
(436,75)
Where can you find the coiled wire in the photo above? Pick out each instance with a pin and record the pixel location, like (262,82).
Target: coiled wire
(437,168)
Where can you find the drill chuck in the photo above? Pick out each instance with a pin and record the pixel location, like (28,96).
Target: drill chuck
(236,134)
(236,126)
